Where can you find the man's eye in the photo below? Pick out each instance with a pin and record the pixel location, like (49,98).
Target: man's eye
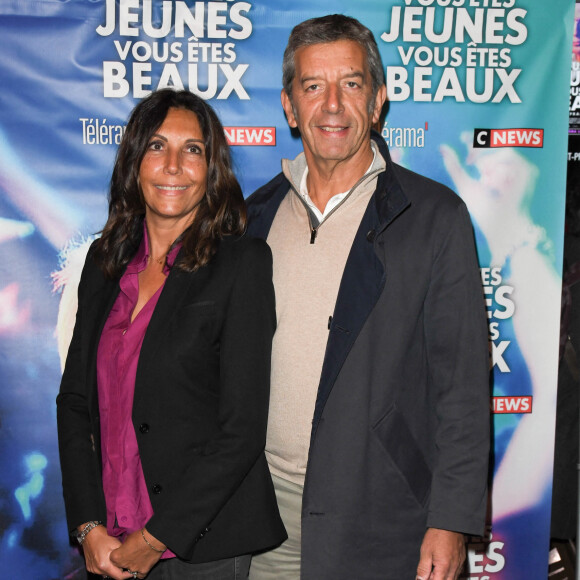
(311,87)
(352,84)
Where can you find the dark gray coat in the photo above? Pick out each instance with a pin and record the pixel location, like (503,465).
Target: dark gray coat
(400,435)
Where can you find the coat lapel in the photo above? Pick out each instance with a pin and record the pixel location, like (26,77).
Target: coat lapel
(364,275)
(362,281)
(263,205)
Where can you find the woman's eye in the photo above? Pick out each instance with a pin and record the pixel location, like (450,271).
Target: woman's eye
(155,146)
(194,149)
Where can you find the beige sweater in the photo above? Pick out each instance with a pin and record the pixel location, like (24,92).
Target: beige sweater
(306,280)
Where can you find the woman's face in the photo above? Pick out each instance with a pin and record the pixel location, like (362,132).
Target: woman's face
(173,172)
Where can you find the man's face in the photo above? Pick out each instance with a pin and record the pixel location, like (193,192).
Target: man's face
(332,102)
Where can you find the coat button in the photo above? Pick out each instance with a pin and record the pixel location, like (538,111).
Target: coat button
(203,533)
(371,234)
(156,488)
(144,428)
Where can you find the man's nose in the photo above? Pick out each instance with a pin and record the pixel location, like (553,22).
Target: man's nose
(333,99)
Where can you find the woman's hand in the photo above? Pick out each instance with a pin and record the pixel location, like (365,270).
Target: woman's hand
(136,555)
(97,548)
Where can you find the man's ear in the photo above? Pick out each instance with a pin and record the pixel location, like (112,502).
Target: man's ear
(288,109)
(379,102)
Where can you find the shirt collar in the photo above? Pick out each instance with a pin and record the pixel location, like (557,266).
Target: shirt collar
(335,199)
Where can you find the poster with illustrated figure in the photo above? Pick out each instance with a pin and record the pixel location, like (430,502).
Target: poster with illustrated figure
(477,100)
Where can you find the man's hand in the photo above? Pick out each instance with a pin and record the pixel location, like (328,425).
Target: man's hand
(442,555)
(97,548)
(136,555)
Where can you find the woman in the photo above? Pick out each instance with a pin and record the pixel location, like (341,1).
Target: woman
(163,401)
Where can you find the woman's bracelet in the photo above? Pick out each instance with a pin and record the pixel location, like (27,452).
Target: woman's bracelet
(149,543)
(88,527)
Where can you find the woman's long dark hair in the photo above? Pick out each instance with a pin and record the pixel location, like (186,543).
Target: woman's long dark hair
(222,210)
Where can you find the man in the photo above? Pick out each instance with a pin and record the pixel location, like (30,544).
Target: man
(379,430)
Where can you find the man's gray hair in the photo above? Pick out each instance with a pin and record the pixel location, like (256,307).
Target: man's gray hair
(331,28)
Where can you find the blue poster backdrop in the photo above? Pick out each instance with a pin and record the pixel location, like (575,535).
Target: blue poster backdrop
(478,100)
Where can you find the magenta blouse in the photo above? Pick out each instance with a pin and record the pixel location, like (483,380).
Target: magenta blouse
(128,504)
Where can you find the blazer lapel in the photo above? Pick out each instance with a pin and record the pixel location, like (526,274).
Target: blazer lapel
(177,287)
(103,300)
(173,293)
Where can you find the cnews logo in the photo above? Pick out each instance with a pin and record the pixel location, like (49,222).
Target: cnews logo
(508,138)
(502,405)
(251,135)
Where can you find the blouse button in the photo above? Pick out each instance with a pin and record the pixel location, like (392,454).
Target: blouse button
(156,488)
(144,428)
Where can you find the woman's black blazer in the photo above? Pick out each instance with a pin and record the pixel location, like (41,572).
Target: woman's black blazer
(200,405)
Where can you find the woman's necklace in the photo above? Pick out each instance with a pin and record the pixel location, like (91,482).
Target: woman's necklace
(161,259)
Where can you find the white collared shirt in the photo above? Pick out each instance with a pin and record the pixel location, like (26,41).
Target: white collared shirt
(334,200)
